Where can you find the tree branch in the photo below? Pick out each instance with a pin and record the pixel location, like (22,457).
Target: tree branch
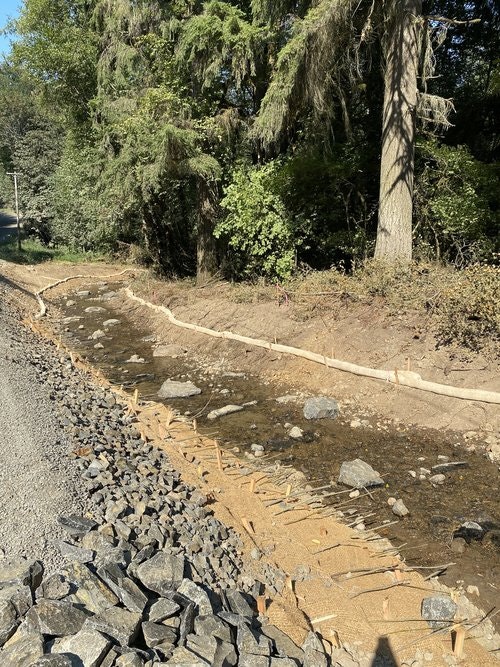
(444,19)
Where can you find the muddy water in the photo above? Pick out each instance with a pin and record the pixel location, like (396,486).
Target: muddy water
(469,493)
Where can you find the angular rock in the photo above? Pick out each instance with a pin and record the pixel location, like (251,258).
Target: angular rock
(20,596)
(163,609)
(110,323)
(400,509)
(295,433)
(439,611)
(359,474)
(282,662)
(248,641)
(91,591)
(120,624)
(321,407)
(124,588)
(89,646)
(283,645)
(18,572)
(77,526)
(54,587)
(240,603)
(156,633)
(182,657)
(162,574)
(8,621)
(56,618)
(437,479)
(99,333)
(95,309)
(129,660)
(173,351)
(212,626)
(72,552)
(226,410)
(250,660)
(23,653)
(54,661)
(469,531)
(314,653)
(196,594)
(174,389)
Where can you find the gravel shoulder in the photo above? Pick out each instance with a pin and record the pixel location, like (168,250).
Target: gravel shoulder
(37,480)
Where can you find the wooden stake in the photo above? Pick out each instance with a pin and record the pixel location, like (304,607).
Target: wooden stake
(252,485)
(218,454)
(136,396)
(408,364)
(458,646)
(261,604)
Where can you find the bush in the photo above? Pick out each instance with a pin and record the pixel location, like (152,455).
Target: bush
(257,225)
(456,205)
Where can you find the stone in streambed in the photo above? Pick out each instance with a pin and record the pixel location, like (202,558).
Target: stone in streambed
(95,309)
(359,474)
(399,508)
(226,410)
(89,646)
(321,407)
(175,389)
(173,351)
(439,611)
(56,618)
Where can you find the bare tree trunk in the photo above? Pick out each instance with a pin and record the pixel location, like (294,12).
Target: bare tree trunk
(206,250)
(394,233)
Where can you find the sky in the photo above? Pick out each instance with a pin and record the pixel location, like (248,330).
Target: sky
(8,9)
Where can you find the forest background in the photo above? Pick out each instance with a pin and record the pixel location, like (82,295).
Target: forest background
(256,138)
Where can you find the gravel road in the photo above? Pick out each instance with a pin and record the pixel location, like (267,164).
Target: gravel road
(37,482)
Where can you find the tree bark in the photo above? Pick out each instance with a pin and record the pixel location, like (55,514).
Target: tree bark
(206,250)
(394,233)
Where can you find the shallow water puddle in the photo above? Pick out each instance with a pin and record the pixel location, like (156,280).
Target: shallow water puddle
(469,493)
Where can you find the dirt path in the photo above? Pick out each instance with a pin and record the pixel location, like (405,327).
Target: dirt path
(37,482)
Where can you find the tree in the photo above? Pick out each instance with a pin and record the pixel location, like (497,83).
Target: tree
(401,45)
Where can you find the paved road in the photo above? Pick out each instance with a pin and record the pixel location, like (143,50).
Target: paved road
(8,224)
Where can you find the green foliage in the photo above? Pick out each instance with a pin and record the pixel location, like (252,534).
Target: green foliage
(457,204)
(257,226)
(35,252)
(81,221)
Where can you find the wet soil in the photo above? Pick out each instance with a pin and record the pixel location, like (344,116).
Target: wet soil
(469,493)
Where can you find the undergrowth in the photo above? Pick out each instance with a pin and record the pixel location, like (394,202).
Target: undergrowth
(460,306)
(34,252)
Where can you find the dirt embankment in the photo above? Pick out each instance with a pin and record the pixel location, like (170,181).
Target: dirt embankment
(360,335)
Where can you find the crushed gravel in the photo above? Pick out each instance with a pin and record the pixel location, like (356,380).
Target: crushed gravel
(37,483)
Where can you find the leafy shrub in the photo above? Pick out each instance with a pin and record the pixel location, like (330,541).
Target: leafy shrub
(257,225)
(456,205)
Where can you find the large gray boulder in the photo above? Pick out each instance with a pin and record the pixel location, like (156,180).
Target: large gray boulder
(359,474)
(175,389)
(321,407)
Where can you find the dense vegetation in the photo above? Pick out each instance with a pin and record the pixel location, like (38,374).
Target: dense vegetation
(256,137)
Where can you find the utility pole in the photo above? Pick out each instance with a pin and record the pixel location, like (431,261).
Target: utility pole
(15,175)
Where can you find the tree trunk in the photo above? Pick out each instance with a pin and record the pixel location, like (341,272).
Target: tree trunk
(394,233)
(206,250)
